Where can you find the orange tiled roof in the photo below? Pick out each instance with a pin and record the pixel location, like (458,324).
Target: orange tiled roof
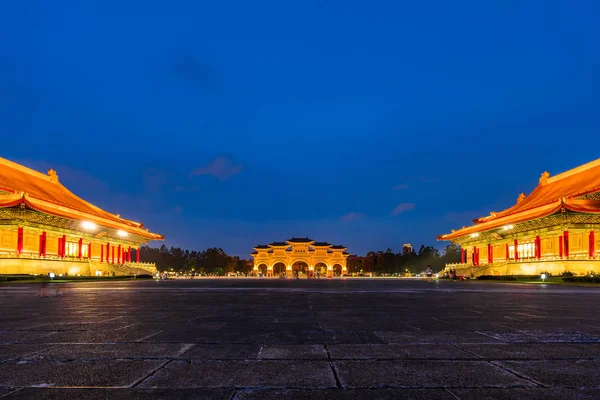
(551,194)
(46,194)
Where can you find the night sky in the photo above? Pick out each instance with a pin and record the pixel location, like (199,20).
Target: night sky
(364,123)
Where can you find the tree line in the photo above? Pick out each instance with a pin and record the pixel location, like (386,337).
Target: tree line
(388,262)
(216,261)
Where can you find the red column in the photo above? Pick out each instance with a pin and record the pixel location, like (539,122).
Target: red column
(113,255)
(462,255)
(101,253)
(80,248)
(516,250)
(129,254)
(44,247)
(566,243)
(137,254)
(507,252)
(19,241)
(490,254)
(119,254)
(59,247)
(560,246)
(592,244)
(538,250)
(474,256)
(40,247)
(90,250)
(64,245)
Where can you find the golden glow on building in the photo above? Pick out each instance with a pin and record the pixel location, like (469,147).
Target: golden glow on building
(45,228)
(300,255)
(554,230)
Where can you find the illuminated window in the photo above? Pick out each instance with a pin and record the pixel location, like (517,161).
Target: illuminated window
(72,249)
(526,250)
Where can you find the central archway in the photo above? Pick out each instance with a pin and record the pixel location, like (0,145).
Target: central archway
(262,269)
(321,269)
(300,267)
(279,268)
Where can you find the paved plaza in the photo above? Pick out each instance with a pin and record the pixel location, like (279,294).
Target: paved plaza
(300,339)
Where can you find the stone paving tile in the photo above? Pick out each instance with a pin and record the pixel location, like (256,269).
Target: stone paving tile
(353,337)
(74,373)
(398,374)
(7,337)
(397,351)
(293,352)
(208,337)
(117,394)
(108,351)
(544,337)
(11,351)
(96,326)
(132,334)
(533,351)
(222,352)
(371,394)
(248,374)
(558,373)
(435,337)
(526,393)
(306,336)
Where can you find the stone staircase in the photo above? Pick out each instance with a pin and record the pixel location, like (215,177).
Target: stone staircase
(128,269)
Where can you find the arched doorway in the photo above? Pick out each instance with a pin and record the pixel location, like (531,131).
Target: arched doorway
(279,268)
(262,270)
(321,269)
(337,270)
(299,268)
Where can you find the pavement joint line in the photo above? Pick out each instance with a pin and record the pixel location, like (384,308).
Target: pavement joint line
(495,338)
(501,367)
(151,374)
(452,394)
(233,394)
(519,375)
(13,392)
(149,336)
(127,326)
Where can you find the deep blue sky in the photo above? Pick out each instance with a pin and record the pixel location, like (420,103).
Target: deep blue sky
(232,123)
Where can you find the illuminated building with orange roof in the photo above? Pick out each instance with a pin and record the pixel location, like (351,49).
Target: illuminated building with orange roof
(555,229)
(44,229)
(300,256)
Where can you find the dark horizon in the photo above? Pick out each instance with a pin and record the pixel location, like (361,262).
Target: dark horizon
(232,125)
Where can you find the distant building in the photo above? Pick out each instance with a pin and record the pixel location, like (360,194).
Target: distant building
(407,249)
(300,255)
(44,229)
(551,230)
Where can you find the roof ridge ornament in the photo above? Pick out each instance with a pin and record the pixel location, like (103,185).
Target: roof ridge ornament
(521,197)
(544,177)
(53,175)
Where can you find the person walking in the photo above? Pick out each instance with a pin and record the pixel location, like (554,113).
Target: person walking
(429,273)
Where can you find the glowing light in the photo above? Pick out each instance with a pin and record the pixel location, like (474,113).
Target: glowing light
(88,225)
(121,233)
(507,227)
(543,277)
(474,234)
